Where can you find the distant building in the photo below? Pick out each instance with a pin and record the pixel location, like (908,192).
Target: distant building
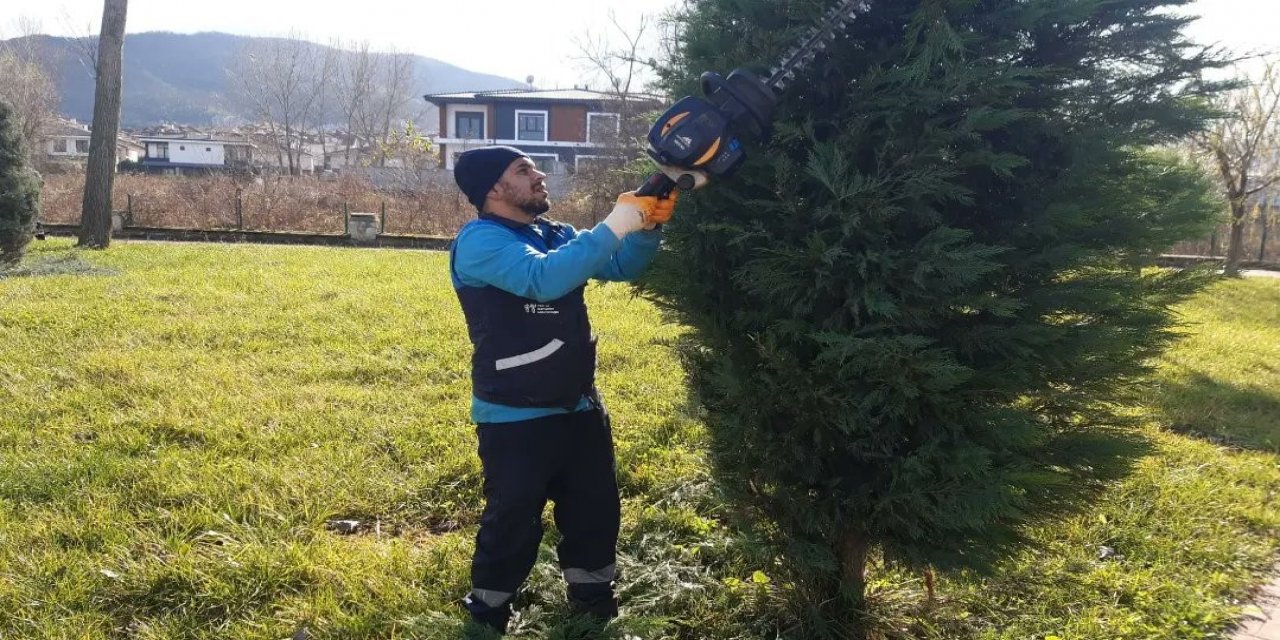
(67,141)
(561,129)
(276,158)
(340,158)
(190,153)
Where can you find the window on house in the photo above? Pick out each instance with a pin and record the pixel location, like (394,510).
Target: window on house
(82,146)
(60,145)
(531,125)
(158,150)
(468,125)
(602,127)
(548,164)
(182,147)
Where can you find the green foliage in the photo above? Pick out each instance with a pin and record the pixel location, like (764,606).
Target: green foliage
(408,145)
(19,192)
(930,283)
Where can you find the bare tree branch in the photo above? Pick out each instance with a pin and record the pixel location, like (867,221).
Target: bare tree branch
(355,78)
(1244,149)
(29,88)
(277,80)
(84,43)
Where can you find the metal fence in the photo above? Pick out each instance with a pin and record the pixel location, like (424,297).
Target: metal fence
(1260,241)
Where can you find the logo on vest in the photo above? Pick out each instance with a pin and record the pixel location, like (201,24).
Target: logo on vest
(536,309)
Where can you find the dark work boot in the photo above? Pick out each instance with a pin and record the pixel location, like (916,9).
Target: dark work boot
(493,619)
(596,601)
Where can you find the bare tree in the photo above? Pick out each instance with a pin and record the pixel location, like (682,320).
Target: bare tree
(28,88)
(84,43)
(387,105)
(326,96)
(354,86)
(100,173)
(276,80)
(1243,148)
(413,152)
(617,56)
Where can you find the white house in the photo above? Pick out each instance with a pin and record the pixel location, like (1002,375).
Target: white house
(176,155)
(68,141)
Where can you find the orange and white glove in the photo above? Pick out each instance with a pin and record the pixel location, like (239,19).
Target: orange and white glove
(633,213)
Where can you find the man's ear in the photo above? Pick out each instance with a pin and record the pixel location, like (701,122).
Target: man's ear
(493,192)
(498,186)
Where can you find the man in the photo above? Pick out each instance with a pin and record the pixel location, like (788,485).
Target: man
(543,431)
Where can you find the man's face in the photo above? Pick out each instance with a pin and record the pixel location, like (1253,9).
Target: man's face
(524,187)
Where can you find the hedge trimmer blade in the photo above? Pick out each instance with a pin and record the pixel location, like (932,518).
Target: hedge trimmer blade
(815,41)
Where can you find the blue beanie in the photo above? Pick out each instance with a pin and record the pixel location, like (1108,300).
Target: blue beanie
(477,170)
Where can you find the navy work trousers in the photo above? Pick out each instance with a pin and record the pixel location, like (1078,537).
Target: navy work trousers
(565,458)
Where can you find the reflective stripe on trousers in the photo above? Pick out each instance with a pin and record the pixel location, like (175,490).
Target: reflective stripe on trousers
(489,597)
(582,576)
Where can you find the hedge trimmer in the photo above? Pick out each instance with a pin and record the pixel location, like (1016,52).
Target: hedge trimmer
(707,134)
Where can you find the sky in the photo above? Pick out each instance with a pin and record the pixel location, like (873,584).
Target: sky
(510,38)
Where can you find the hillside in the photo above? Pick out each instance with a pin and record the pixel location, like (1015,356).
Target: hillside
(181,78)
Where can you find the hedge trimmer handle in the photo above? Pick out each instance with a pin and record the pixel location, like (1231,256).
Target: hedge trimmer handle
(659,185)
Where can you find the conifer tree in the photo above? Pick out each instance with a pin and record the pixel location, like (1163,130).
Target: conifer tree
(910,301)
(19,192)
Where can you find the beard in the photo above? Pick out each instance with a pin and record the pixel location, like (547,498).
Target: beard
(535,206)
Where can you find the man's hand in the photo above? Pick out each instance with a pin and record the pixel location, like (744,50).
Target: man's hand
(661,211)
(632,212)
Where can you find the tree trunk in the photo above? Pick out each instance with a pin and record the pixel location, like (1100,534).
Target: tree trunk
(288,146)
(854,547)
(100,173)
(1264,219)
(1235,248)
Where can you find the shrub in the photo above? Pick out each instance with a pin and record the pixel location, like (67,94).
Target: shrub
(19,192)
(931,281)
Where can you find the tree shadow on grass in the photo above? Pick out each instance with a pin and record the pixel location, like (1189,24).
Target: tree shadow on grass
(1222,413)
(1069,475)
(1065,477)
(1086,462)
(59,261)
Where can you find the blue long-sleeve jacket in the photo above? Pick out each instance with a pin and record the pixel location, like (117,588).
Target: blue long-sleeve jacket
(489,254)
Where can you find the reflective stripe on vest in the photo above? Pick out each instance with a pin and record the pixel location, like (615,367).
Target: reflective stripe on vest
(529,358)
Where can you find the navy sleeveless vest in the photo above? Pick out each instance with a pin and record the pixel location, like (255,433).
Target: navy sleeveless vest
(529,353)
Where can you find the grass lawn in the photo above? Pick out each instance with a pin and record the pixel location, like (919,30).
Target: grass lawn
(180,423)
